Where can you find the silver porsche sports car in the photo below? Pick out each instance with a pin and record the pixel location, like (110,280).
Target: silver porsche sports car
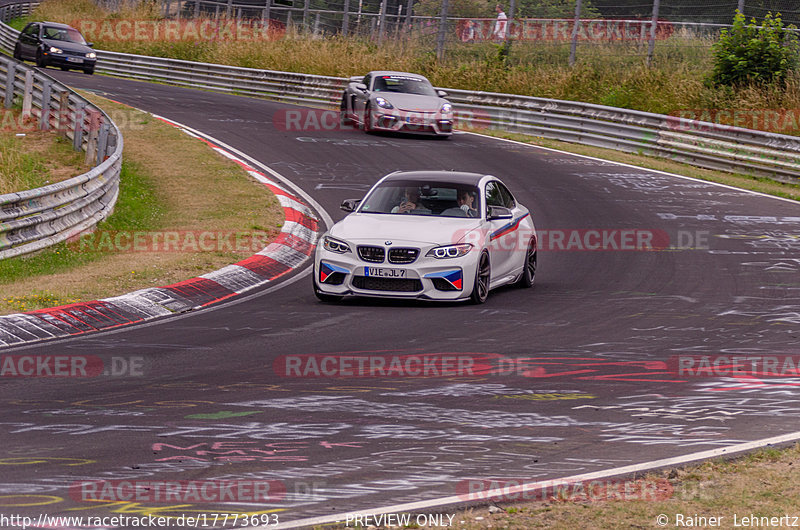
(397,101)
(436,235)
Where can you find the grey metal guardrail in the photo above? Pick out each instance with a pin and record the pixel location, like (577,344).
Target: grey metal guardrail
(702,144)
(699,143)
(286,86)
(35,219)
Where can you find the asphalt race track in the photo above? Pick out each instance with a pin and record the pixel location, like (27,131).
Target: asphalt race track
(589,355)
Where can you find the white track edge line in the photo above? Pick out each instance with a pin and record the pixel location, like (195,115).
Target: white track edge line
(624,164)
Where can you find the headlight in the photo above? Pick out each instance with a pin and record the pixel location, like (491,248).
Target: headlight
(53,49)
(447,108)
(450,251)
(382,103)
(91,55)
(335,245)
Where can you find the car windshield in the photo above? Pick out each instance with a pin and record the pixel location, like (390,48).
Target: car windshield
(423,197)
(63,34)
(404,84)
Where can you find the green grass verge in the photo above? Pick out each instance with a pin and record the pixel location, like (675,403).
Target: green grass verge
(133,211)
(36,159)
(170,183)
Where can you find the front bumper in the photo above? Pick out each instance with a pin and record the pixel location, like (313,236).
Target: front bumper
(71,61)
(396,120)
(426,278)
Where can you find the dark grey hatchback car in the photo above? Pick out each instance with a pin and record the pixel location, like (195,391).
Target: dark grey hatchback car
(53,44)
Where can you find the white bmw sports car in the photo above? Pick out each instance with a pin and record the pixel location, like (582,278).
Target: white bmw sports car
(396,101)
(436,235)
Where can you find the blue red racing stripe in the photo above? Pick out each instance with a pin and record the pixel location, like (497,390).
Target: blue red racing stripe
(507,229)
(455,277)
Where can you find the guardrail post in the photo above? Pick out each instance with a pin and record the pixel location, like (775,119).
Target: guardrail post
(93,133)
(382,21)
(11,74)
(305,14)
(111,143)
(27,95)
(44,117)
(229,9)
(102,143)
(574,44)
(265,14)
(651,46)
(442,31)
(62,118)
(345,17)
(77,131)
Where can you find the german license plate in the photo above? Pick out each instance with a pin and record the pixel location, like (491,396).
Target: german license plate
(415,120)
(75,59)
(381,272)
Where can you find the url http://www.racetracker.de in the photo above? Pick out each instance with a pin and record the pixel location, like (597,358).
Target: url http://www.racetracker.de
(198,520)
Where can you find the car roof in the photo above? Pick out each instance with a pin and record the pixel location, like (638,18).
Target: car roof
(455,177)
(56,25)
(376,73)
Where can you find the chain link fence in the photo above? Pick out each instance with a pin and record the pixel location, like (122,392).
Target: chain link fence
(521,31)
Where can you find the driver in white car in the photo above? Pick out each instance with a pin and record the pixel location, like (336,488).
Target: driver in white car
(409,202)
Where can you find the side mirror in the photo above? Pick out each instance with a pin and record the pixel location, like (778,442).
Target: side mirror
(350,205)
(441,93)
(90,44)
(499,212)
(360,86)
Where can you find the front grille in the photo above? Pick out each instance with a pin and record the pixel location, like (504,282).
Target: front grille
(371,254)
(370,283)
(403,255)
